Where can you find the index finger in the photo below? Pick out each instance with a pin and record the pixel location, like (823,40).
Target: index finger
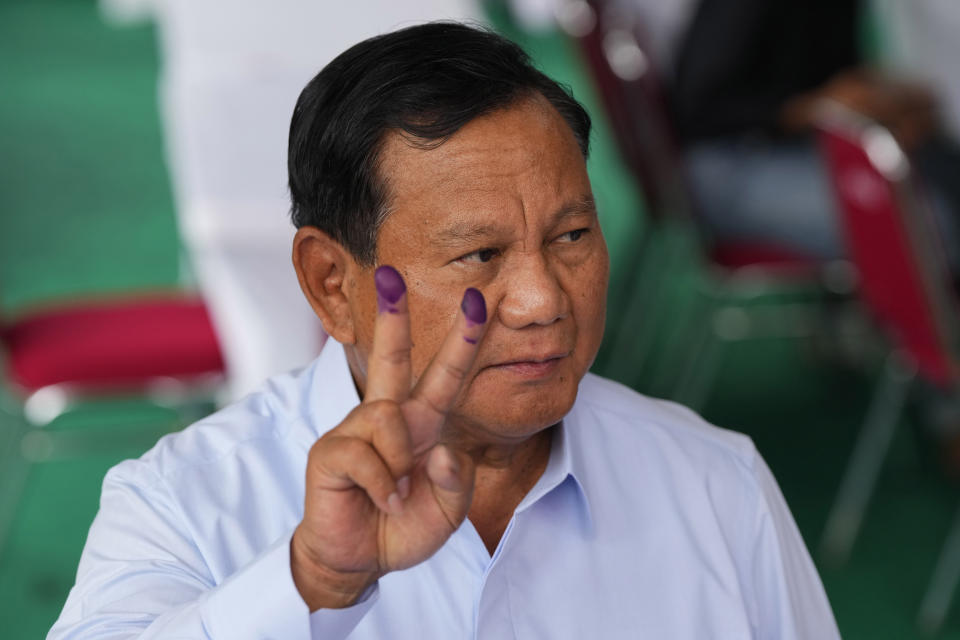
(388,368)
(441,382)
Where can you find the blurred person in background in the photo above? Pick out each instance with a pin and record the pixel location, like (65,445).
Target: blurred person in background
(748,80)
(231,73)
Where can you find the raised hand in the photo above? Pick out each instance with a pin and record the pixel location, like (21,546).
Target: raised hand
(381,494)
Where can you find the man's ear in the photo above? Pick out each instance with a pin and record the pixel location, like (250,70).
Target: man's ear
(323,268)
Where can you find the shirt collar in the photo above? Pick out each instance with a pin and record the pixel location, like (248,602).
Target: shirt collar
(333,395)
(565,469)
(331,392)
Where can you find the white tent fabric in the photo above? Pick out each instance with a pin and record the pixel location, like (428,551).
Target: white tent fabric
(232,72)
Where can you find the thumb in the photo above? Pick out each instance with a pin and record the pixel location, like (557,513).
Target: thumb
(452,476)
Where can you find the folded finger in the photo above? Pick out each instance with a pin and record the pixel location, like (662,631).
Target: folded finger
(349,462)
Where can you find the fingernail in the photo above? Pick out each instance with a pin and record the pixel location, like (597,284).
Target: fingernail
(390,288)
(453,465)
(395,504)
(444,469)
(403,487)
(474,306)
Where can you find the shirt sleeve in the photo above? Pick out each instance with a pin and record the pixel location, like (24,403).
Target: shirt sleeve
(142,576)
(785,588)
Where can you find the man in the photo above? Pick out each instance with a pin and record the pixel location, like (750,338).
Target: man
(465,477)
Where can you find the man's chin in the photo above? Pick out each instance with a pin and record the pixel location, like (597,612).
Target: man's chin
(520,408)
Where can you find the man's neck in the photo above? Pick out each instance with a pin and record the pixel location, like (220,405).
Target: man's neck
(503,479)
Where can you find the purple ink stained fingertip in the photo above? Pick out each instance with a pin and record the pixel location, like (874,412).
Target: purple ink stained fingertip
(389,284)
(474,306)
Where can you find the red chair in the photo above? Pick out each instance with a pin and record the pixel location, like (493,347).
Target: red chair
(162,347)
(146,344)
(906,286)
(613,43)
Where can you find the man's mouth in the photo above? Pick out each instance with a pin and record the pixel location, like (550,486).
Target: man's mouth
(532,366)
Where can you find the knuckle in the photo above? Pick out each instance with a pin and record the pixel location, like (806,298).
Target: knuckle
(352,448)
(432,405)
(336,454)
(383,412)
(396,355)
(340,451)
(398,455)
(321,447)
(454,370)
(390,436)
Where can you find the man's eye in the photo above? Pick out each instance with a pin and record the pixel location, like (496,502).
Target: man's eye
(482,255)
(573,236)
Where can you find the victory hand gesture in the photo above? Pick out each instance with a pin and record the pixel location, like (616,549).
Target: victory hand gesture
(381,494)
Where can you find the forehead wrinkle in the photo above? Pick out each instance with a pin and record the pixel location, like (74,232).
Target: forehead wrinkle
(475,172)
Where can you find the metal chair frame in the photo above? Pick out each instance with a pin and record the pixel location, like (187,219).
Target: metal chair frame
(904,365)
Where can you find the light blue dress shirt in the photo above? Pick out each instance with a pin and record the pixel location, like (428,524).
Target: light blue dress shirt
(647,523)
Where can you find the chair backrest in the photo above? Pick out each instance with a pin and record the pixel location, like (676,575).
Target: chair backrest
(615,47)
(117,343)
(892,240)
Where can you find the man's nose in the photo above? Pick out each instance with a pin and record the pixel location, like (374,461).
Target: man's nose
(532,294)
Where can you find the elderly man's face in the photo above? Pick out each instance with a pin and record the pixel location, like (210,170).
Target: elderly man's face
(505,206)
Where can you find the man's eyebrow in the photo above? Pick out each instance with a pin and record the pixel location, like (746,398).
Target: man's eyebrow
(457,235)
(582,206)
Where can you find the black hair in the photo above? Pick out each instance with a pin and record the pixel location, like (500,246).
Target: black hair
(425,81)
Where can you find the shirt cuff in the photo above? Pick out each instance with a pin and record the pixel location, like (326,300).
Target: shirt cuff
(338,623)
(259,601)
